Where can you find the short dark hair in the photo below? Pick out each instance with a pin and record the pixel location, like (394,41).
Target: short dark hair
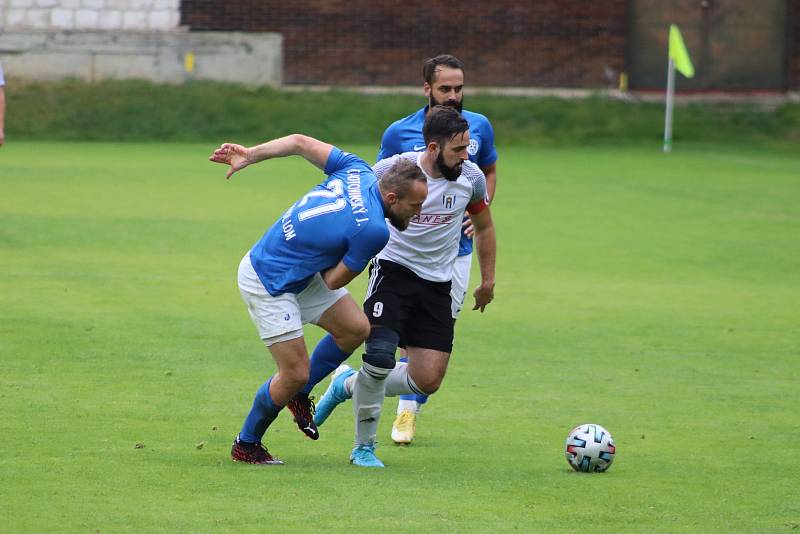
(429,67)
(400,177)
(442,124)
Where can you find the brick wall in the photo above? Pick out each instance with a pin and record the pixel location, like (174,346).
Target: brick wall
(547,43)
(794,45)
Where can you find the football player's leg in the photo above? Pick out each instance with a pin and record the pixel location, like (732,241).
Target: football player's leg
(336,312)
(284,339)
(399,382)
(458,290)
(421,375)
(370,384)
(383,338)
(292,362)
(409,402)
(421,379)
(339,390)
(429,341)
(348,327)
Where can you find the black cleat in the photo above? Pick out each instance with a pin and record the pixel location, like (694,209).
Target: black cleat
(252,453)
(302,408)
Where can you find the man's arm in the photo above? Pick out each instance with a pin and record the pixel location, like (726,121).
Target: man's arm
(486,244)
(490,171)
(362,246)
(339,276)
(239,157)
(491,179)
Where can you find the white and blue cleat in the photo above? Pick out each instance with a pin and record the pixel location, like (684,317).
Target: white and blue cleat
(364,456)
(334,395)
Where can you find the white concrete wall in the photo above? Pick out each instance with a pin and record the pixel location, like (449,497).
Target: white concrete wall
(161,56)
(68,15)
(122,39)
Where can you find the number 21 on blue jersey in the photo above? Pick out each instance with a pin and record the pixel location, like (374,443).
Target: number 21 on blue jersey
(335,191)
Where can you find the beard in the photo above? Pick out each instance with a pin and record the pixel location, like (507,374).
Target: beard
(397,221)
(458,106)
(451,173)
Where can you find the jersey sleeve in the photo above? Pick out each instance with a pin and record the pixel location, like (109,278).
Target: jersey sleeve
(479,200)
(488,152)
(339,160)
(364,245)
(384,165)
(389,144)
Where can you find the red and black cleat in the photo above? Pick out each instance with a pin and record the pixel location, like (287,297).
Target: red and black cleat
(302,408)
(252,453)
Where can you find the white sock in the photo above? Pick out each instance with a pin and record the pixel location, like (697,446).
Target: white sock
(399,382)
(369,391)
(407,406)
(349,382)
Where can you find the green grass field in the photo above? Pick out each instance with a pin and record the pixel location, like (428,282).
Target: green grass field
(657,295)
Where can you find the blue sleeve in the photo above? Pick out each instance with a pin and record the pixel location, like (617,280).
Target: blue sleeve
(488,153)
(339,160)
(389,146)
(364,245)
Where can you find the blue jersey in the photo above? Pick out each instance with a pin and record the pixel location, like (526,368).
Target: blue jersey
(341,219)
(405,135)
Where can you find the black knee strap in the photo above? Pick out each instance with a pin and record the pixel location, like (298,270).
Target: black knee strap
(381,346)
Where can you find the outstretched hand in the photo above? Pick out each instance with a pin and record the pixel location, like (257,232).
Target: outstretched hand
(233,155)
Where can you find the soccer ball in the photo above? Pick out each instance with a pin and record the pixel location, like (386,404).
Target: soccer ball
(590,448)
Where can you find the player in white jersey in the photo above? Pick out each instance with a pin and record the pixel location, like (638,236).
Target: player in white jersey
(408,300)
(443,78)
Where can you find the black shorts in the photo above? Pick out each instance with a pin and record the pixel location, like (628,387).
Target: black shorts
(418,310)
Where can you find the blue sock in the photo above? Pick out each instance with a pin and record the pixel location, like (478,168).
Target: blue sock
(326,357)
(421,399)
(261,415)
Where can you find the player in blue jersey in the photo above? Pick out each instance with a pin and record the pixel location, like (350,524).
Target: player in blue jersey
(443,85)
(296,273)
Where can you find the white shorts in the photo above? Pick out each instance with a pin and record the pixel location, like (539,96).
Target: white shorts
(460,282)
(282,318)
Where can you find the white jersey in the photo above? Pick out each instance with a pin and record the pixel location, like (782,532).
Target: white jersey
(429,245)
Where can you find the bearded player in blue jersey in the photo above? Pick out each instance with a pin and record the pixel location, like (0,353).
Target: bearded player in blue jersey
(443,85)
(296,273)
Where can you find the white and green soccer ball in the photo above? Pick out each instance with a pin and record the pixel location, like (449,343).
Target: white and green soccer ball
(590,448)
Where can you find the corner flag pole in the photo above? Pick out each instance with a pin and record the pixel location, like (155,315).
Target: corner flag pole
(670,105)
(678,60)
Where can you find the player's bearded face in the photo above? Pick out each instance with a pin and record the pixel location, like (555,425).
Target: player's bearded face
(399,222)
(404,208)
(447,88)
(458,105)
(451,172)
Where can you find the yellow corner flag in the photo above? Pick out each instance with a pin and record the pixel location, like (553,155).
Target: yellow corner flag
(678,53)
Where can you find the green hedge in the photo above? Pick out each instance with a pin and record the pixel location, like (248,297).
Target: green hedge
(142,111)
